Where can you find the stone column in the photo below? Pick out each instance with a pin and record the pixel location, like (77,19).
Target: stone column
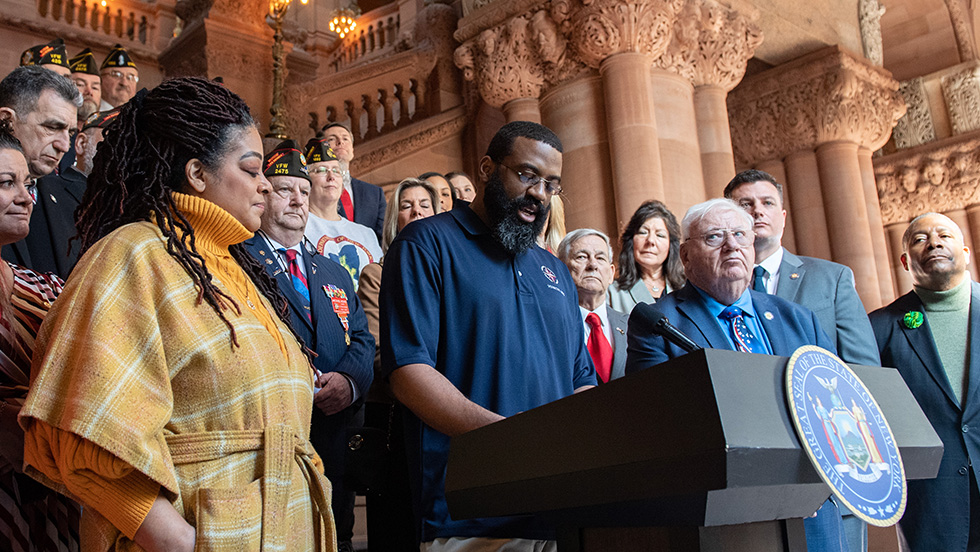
(776,168)
(876,225)
(229,39)
(522,109)
(961,219)
(903,280)
(804,196)
(574,110)
(632,130)
(850,233)
(973,217)
(839,104)
(709,49)
(680,155)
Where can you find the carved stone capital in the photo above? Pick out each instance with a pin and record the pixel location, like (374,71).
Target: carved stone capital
(916,126)
(961,91)
(939,176)
(827,96)
(601,28)
(711,44)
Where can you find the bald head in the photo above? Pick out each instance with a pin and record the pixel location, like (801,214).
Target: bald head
(934,253)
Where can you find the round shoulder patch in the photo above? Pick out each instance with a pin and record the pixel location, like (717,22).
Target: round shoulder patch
(845,435)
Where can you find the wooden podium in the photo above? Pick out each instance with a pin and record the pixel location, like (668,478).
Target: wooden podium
(698,453)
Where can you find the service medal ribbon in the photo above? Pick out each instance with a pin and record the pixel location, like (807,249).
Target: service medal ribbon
(338,300)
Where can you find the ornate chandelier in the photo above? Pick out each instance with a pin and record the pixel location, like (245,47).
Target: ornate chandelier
(342,21)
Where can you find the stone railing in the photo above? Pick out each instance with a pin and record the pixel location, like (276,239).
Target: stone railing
(375,36)
(381,94)
(125,22)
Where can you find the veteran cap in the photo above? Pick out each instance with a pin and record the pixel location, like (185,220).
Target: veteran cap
(84,62)
(100,119)
(118,57)
(317,151)
(285,160)
(52,53)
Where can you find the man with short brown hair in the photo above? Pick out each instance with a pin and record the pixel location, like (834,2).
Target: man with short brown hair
(366,200)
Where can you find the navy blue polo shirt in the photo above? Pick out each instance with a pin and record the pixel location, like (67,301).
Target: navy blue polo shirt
(504,329)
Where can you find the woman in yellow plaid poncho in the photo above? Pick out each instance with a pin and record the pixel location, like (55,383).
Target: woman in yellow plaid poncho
(169,394)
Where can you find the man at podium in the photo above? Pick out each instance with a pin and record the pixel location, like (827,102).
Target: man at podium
(717,310)
(477,324)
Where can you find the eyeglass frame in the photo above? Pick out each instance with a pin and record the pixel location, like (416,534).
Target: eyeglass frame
(725,232)
(337,171)
(116,73)
(530,179)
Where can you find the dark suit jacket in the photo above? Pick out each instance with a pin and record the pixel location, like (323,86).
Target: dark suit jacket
(619,322)
(938,515)
(369,205)
(324,335)
(46,247)
(828,290)
(790,327)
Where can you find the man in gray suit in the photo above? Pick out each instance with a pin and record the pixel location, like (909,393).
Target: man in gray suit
(588,255)
(824,287)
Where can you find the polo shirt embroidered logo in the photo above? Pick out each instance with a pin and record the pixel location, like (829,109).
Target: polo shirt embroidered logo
(549,274)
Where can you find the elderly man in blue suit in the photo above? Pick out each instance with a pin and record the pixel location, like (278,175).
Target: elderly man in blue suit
(326,314)
(822,286)
(717,310)
(932,335)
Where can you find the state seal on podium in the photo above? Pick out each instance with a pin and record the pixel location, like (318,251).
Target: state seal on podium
(845,435)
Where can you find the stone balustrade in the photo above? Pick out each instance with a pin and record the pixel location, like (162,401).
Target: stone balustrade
(382,90)
(124,22)
(374,37)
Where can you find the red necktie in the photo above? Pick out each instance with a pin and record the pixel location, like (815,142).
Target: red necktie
(599,349)
(348,205)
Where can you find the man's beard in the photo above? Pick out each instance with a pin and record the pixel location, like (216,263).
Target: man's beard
(506,225)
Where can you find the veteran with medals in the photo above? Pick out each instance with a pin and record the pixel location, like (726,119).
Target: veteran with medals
(326,314)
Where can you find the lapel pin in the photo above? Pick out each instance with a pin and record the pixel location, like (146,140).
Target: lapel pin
(268,261)
(262,252)
(794,276)
(620,330)
(53,198)
(768,315)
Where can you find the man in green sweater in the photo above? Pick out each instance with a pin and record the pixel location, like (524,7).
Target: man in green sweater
(932,335)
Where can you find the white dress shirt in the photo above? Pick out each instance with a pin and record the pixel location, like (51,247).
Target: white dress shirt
(771,264)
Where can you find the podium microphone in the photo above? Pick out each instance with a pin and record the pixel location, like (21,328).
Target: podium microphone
(660,326)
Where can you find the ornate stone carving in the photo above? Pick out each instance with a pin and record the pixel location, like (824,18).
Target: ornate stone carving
(247,13)
(826,96)
(962,29)
(962,93)
(869,19)
(601,28)
(711,44)
(938,177)
(915,127)
(517,54)
(392,147)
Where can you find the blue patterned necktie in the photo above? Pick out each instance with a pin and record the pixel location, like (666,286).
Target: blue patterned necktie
(759,279)
(299,282)
(745,340)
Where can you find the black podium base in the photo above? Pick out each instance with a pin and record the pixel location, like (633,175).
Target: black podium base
(766,536)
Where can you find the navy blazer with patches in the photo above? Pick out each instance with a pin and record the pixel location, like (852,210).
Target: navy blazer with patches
(938,515)
(791,326)
(324,335)
(369,205)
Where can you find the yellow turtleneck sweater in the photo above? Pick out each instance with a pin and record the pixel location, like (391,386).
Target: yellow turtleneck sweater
(89,471)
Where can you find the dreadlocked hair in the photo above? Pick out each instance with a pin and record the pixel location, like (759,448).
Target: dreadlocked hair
(141,161)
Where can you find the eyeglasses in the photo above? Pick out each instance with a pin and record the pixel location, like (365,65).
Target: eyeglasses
(120,74)
(716,238)
(530,180)
(324,170)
